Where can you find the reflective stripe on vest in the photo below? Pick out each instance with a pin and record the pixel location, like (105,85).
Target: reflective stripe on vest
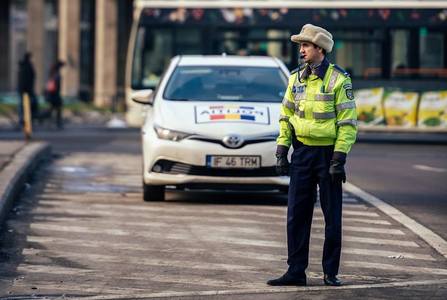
(288,104)
(324,97)
(347,122)
(300,96)
(345,105)
(283,118)
(299,113)
(332,81)
(325,115)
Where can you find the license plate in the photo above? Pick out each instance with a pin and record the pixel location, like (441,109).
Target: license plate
(230,161)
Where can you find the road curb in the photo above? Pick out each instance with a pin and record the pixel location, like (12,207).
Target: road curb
(17,171)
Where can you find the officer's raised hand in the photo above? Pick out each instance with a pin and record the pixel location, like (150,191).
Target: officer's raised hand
(282,164)
(337,167)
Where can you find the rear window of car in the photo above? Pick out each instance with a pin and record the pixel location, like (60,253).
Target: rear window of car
(226,83)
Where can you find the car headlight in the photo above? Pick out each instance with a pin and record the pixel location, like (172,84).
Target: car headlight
(168,134)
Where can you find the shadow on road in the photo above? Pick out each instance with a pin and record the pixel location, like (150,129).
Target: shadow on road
(228,197)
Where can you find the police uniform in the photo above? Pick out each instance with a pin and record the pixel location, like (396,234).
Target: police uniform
(319,118)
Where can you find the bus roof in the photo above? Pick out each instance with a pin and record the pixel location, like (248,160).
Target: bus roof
(403,4)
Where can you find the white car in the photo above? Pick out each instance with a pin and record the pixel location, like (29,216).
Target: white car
(212,122)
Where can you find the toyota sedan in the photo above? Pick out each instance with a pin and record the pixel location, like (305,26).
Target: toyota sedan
(212,123)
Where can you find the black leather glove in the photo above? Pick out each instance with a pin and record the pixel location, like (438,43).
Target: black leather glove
(337,167)
(282,164)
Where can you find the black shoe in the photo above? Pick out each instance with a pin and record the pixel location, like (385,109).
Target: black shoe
(331,280)
(287,279)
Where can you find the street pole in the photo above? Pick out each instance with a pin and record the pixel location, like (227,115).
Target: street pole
(27,126)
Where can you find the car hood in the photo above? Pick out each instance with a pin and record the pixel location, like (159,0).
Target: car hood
(217,119)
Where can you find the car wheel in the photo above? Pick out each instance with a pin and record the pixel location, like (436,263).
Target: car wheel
(153,192)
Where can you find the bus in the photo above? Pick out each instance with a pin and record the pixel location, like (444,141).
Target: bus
(380,43)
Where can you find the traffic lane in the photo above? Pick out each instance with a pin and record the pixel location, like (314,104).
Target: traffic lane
(394,174)
(84,139)
(84,229)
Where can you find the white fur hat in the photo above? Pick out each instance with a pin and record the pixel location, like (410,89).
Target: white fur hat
(315,35)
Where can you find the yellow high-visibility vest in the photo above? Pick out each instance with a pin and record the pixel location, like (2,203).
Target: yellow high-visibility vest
(319,112)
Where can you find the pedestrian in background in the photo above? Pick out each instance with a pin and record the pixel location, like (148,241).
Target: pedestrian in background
(26,79)
(318,117)
(52,93)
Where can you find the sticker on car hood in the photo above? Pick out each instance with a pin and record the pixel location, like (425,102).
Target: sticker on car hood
(232,113)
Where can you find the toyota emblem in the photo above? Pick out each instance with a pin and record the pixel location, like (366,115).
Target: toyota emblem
(233,141)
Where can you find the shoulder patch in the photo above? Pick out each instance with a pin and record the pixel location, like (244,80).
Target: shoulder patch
(341,70)
(347,86)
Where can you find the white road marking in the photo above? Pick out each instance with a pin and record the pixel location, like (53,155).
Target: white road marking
(210,238)
(364,229)
(387,254)
(48,241)
(208,219)
(157,235)
(360,213)
(101,258)
(374,241)
(347,206)
(195,210)
(430,169)
(177,209)
(350,200)
(144,216)
(30,253)
(223,229)
(404,269)
(433,239)
(359,220)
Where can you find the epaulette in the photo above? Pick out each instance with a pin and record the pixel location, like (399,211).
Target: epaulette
(300,67)
(341,70)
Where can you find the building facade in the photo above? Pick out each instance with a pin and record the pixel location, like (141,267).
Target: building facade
(90,36)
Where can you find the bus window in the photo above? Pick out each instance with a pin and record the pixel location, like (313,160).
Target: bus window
(187,41)
(153,49)
(400,57)
(359,52)
(255,42)
(431,53)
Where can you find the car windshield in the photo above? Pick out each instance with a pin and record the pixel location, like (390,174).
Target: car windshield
(226,83)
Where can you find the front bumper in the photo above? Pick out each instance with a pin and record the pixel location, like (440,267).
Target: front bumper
(184,163)
(180,179)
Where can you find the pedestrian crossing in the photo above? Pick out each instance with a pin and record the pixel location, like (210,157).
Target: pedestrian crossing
(82,241)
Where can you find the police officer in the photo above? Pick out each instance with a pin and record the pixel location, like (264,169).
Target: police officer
(318,117)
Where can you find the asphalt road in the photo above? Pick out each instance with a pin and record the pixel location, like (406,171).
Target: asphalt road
(411,177)
(83,229)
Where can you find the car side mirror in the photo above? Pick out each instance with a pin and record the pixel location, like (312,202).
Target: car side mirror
(143,97)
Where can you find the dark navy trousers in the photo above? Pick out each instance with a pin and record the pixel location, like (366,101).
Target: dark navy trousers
(310,168)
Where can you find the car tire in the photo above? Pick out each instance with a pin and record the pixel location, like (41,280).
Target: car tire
(153,192)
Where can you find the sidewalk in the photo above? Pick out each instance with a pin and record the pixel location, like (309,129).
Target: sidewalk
(18,160)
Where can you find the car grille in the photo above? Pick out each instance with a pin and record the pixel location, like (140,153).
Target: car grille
(172,167)
(245,143)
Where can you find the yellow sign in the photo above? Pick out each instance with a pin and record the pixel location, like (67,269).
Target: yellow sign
(433,109)
(369,106)
(401,109)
